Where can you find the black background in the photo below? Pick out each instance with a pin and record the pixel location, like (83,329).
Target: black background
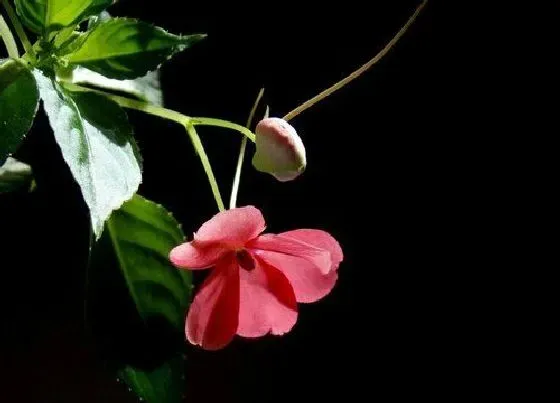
(379,179)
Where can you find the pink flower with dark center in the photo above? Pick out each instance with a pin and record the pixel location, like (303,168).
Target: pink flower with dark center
(257,279)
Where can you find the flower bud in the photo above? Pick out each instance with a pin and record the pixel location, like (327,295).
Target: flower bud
(280,151)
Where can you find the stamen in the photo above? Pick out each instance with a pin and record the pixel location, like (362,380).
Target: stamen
(245,260)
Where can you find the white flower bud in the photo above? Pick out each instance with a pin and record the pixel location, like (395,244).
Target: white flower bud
(280,151)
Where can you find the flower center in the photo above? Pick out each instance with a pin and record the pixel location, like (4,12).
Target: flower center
(245,260)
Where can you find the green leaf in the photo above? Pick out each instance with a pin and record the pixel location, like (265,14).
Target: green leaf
(19,100)
(15,175)
(163,384)
(72,43)
(65,36)
(125,48)
(143,233)
(147,88)
(97,143)
(97,19)
(136,247)
(44,16)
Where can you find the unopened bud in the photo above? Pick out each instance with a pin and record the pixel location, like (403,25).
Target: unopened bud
(280,151)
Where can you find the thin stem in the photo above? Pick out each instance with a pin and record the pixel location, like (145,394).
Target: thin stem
(168,114)
(137,105)
(185,121)
(237,177)
(165,113)
(198,121)
(8,39)
(357,73)
(19,29)
(197,144)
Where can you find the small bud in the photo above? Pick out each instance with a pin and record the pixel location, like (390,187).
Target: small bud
(280,151)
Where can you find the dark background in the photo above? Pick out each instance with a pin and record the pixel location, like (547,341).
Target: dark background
(379,179)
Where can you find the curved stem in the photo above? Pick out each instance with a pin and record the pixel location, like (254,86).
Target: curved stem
(133,104)
(164,112)
(357,73)
(198,121)
(8,39)
(187,122)
(19,29)
(205,164)
(237,177)
(168,114)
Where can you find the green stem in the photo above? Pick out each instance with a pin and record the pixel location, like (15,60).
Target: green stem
(168,114)
(133,104)
(198,121)
(8,39)
(186,121)
(19,29)
(237,177)
(357,73)
(195,139)
(165,113)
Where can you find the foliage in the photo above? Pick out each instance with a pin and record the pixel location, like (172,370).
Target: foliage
(83,70)
(132,236)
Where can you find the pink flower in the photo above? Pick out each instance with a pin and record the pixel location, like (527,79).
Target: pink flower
(257,279)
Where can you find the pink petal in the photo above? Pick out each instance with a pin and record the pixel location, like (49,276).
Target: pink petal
(232,227)
(290,246)
(214,313)
(319,239)
(191,255)
(267,302)
(308,282)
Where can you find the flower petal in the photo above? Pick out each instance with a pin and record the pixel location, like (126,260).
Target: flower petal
(191,255)
(267,303)
(308,282)
(214,313)
(319,239)
(232,228)
(291,246)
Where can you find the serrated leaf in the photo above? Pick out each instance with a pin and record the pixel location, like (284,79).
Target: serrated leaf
(97,144)
(19,100)
(14,175)
(147,88)
(136,246)
(97,19)
(125,48)
(44,16)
